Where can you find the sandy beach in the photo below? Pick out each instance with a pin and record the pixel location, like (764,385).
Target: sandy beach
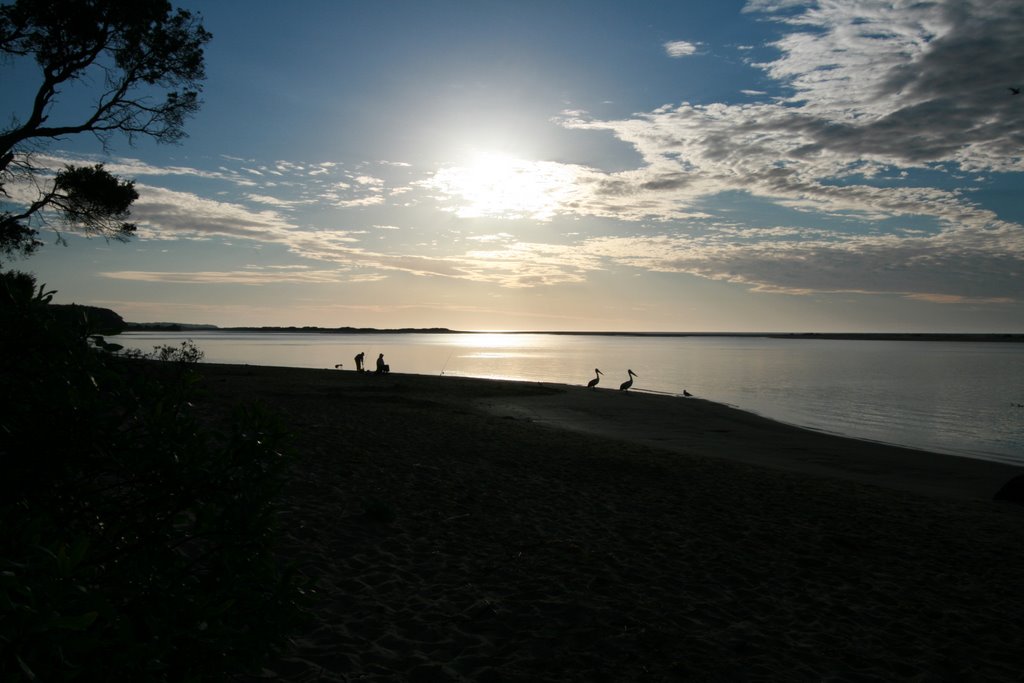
(454,529)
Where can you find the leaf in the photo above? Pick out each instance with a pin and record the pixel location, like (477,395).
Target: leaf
(78,551)
(77,623)
(24,667)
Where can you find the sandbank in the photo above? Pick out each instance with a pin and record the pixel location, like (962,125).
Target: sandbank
(462,529)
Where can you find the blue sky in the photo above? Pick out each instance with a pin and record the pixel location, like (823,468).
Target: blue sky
(769,165)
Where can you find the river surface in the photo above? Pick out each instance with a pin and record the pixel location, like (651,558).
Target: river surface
(962,398)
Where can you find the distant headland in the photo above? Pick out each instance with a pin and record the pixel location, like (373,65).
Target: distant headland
(188,327)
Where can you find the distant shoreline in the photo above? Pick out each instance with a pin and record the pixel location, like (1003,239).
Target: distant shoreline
(850,336)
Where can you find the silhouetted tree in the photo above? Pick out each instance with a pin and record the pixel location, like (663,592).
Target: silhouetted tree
(146,61)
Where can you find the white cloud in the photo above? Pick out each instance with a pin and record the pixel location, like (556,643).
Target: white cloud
(679,48)
(499,237)
(374,200)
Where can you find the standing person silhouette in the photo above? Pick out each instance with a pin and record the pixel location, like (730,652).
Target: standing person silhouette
(359,361)
(382,367)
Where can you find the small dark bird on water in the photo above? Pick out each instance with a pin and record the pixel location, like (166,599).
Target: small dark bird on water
(1015,91)
(597,378)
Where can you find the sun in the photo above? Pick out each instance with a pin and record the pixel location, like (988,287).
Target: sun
(503,186)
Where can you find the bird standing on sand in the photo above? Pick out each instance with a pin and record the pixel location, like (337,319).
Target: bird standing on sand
(597,378)
(627,384)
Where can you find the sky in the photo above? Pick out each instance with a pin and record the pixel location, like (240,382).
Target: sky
(759,166)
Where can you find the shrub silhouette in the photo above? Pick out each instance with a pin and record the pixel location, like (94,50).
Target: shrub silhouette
(137,539)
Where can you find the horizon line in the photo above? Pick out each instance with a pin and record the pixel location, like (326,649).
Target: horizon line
(198,327)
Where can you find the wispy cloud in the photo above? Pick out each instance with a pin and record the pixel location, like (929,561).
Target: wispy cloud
(374,200)
(237,277)
(169,214)
(133,168)
(772,5)
(276,201)
(933,268)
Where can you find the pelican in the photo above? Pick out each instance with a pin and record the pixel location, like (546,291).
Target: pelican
(628,383)
(597,378)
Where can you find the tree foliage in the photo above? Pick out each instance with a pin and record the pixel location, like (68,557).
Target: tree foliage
(143,59)
(84,197)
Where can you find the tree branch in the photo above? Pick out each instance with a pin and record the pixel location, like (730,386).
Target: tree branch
(141,46)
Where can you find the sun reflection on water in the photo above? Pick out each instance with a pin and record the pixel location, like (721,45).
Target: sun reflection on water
(495,340)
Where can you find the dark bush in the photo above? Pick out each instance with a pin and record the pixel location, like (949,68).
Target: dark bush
(137,540)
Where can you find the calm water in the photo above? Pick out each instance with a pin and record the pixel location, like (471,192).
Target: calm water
(951,397)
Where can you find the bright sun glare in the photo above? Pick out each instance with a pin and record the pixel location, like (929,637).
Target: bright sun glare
(503,186)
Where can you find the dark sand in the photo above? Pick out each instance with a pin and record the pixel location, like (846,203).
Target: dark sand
(458,529)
